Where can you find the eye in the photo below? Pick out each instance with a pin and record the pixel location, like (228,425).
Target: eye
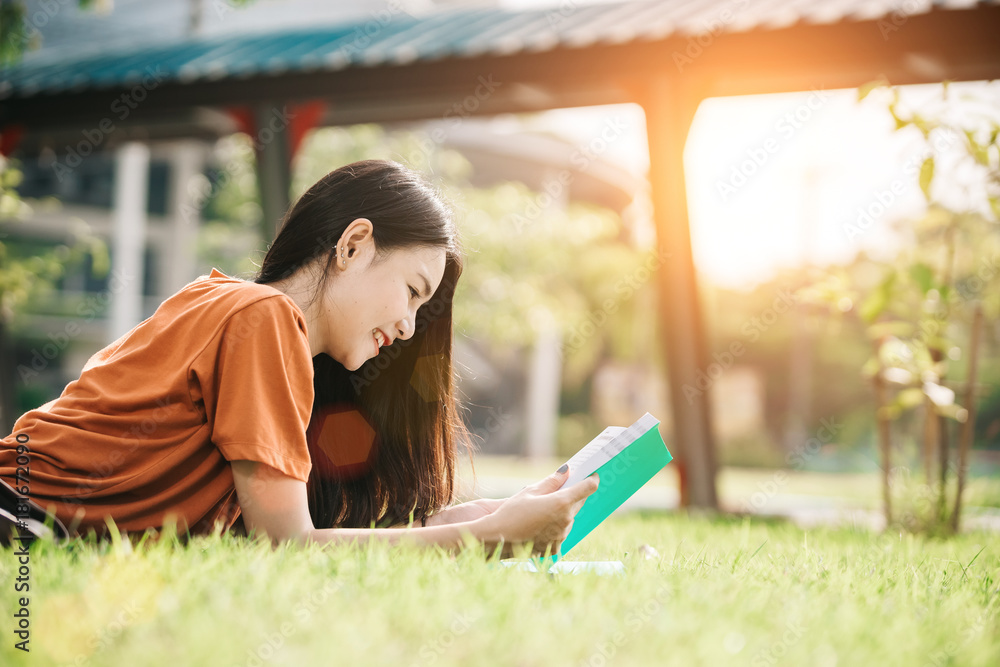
(413,292)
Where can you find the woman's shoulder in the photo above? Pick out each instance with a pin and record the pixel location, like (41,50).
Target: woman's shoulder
(220,292)
(209,304)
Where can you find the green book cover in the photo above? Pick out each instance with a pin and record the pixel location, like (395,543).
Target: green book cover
(624,459)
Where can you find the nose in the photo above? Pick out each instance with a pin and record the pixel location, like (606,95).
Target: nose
(404,328)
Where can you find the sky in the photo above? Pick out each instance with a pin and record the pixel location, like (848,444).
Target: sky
(777,180)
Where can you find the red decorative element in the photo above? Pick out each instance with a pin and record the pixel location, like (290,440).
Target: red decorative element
(304,117)
(243,117)
(342,442)
(10,137)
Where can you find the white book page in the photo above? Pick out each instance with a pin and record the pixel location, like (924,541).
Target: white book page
(605,447)
(596,453)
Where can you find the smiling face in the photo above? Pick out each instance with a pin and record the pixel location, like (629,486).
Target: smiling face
(370,294)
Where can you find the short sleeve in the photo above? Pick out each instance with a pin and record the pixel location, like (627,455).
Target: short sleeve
(262,390)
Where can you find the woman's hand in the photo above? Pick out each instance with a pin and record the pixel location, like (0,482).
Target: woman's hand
(540,513)
(470,511)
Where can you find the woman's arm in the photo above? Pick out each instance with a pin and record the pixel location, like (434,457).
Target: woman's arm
(276,504)
(469,511)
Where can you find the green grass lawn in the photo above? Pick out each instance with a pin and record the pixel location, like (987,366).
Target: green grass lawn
(720,592)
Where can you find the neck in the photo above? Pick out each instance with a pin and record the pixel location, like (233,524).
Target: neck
(295,288)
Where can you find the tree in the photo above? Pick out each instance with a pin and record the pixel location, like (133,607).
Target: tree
(925,315)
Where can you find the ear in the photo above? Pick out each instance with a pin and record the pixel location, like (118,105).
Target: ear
(357,235)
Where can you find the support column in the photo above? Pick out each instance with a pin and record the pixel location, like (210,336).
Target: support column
(544,382)
(272,146)
(128,237)
(179,266)
(670,105)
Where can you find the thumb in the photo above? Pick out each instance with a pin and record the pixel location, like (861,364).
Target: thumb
(553,481)
(582,489)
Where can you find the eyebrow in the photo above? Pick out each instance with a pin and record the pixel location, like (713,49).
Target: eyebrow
(427,286)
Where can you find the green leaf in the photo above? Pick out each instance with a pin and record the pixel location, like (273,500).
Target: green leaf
(976,149)
(900,123)
(909,398)
(923,125)
(889,412)
(953,411)
(876,302)
(897,328)
(865,89)
(923,276)
(926,174)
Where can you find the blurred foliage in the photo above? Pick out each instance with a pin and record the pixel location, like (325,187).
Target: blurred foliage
(917,309)
(230,230)
(19,32)
(28,270)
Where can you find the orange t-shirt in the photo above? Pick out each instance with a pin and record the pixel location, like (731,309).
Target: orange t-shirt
(221,371)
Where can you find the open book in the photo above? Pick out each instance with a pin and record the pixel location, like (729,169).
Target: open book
(624,459)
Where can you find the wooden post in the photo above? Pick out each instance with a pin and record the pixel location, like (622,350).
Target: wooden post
(883,433)
(273,150)
(968,428)
(670,105)
(930,438)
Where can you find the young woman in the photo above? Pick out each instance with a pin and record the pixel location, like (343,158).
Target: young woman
(313,403)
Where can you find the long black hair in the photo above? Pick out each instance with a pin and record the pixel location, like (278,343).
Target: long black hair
(383,438)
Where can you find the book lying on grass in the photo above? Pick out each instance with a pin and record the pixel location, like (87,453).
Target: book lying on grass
(624,460)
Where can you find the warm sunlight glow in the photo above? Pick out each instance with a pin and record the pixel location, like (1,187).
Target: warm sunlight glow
(776,181)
